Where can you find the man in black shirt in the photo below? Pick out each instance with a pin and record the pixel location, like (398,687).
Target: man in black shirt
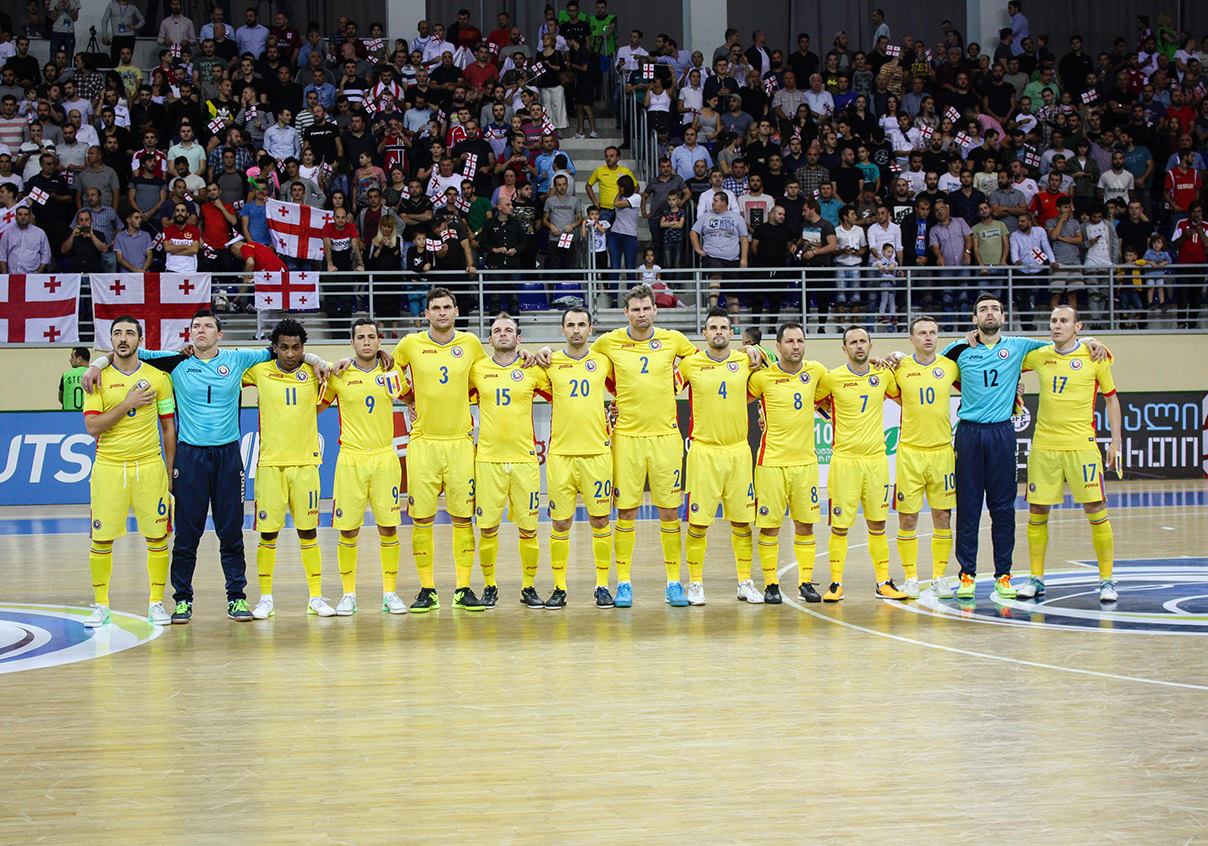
(26,67)
(803,63)
(55,214)
(1133,230)
(998,96)
(758,152)
(282,91)
(324,138)
(848,177)
(574,26)
(770,247)
(357,139)
(474,145)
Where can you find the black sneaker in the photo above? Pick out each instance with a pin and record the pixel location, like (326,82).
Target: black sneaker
(603,598)
(557,600)
(771,594)
(808,592)
(182,613)
(426,600)
(529,597)
(490,595)
(238,611)
(467,600)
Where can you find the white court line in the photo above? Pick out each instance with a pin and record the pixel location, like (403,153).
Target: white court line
(969,652)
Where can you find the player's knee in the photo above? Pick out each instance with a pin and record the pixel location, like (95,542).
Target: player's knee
(564,525)
(876,525)
(424,521)
(349,534)
(526,534)
(1093,507)
(1039,509)
(308,534)
(383,531)
(806,529)
(835,530)
(908,522)
(268,536)
(596,523)
(162,539)
(769,531)
(104,545)
(627,513)
(490,531)
(460,521)
(940,519)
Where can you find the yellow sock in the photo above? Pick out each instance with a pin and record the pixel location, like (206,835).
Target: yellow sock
(530,551)
(388,549)
(266,562)
(463,553)
(804,550)
(694,549)
(157,568)
(559,554)
(1104,541)
(669,534)
(742,543)
(769,555)
(312,563)
(421,550)
(908,552)
(878,548)
(488,555)
(837,552)
(622,548)
(346,559)
(601,552)
(100,562)
(1038,542)
(941,551)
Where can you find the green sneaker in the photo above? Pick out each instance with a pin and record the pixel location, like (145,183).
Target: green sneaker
(182,613)
(425,601)
(968,587)
(467,600)
(1002,587)
(238,611)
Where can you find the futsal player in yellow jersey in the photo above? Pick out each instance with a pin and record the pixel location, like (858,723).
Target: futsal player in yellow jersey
(719,457)
(646,443)
(579,462)
(507,471)
(786,466)
(130,470)
(926,462)
(1064,450)
(287,472)
(367,470)
(859,468)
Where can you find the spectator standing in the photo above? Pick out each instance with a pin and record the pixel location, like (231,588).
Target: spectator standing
(721,239)
(132,247)
(24,247)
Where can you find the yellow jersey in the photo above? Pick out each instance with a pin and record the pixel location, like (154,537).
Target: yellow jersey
(365,400)
(786,401)
(440,378)
(289,423)
(857,409)
(926,392)
(717,396)
(136,436)
(644,373)
(505,410)
(578,419)
(1070,384)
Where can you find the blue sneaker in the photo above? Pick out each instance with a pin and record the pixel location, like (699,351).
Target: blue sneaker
(675,595)
(624,597)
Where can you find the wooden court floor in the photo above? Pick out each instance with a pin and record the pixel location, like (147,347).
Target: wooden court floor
(864,723)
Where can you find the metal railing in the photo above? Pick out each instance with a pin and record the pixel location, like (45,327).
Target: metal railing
(823,299)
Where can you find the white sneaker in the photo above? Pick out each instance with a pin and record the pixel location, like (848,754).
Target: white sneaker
(910,587)
(747,592)
(941,588)
(593,134)
(318,605)
(578,134)
(98,617)
(157,615)
(393,603)
(1032,589)
(1107,591)
(347,606)
(264,608)
(696,594)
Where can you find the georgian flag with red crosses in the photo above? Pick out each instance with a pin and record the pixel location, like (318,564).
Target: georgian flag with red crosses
(39,308)
(164,303)
(297,230)
(289,290)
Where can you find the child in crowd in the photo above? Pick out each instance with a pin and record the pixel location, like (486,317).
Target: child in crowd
(672,224)
(1157,258)
(887,269)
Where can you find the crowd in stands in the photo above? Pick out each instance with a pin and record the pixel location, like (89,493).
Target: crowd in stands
(444,152)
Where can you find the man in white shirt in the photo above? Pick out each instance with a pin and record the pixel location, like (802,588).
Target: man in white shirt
(715,187)
(1115,184)
(188,148)
(1022,182)
(627,56)
(904,138)
(755,206)
(252,36)
(281,140)
(915,176)
(819,99)
(884,231)
(851,245)
(437,46)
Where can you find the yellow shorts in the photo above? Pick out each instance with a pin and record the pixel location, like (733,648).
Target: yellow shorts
(794,488)
(436,465)
(720,474)
(1081,469)
(282,490)
(657,458)
(518,486)
(856,481)
(361,479)
(588,476)
(930,471)
(117,487)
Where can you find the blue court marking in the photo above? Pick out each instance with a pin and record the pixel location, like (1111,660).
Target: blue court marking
(80,525)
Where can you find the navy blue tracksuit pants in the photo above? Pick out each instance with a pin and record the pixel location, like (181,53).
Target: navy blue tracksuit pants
(208,478)
(985,472)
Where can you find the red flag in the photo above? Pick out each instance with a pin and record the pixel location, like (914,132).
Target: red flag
(39,308)
(163,302)
(297,291)
(297,229)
